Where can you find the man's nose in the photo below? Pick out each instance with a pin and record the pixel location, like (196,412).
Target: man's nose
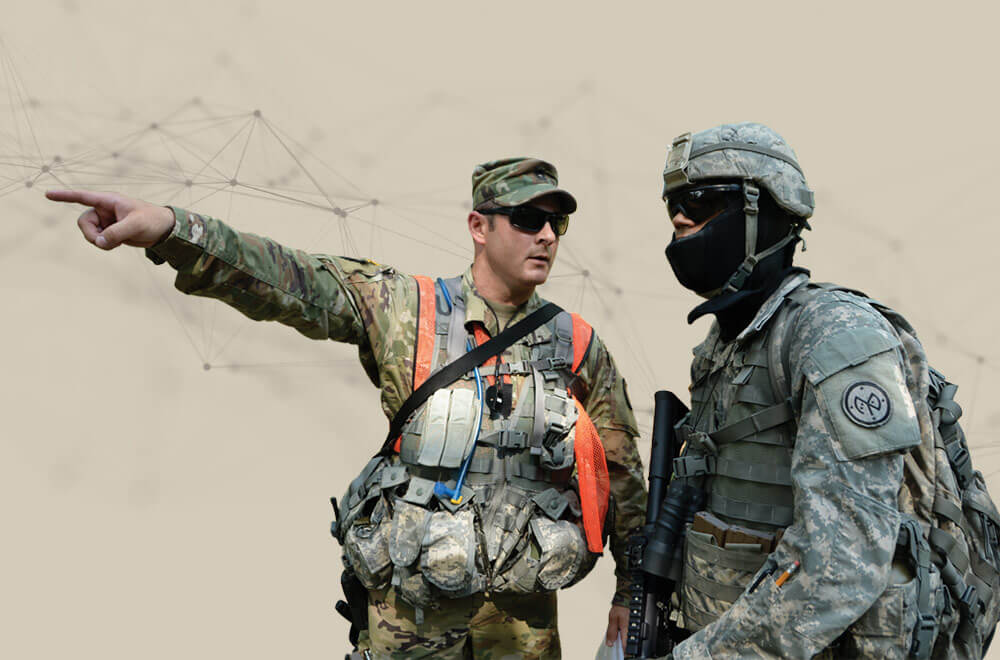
(546,234)
(681,221)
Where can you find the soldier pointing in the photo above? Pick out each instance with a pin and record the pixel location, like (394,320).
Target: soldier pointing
(496,487)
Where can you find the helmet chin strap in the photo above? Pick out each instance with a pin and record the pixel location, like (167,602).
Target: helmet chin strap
(751,193)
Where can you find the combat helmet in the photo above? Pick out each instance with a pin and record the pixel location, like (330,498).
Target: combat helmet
(758,156)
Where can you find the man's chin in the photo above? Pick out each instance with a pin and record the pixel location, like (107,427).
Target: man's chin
(535,275)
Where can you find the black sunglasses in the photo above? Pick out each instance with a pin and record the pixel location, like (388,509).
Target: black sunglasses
(702,203)
(531,219)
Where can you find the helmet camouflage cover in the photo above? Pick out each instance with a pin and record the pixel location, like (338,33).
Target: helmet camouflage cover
(740,151)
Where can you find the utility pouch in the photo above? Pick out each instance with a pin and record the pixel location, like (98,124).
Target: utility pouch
(885,631)
(367,548)
(407,532)
(557,441)
(359,495)
(563,550)
(442,432)
(413,588)
(714,577)
(554,557)
(448,559)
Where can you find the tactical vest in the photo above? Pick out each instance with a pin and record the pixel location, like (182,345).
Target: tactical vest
(739,438)
(516,526)
(739,444)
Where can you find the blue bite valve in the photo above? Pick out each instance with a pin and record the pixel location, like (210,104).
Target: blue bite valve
(441,490)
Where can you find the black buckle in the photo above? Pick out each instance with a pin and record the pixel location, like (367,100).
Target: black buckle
(923,636)
(512,440)
(966,602)
(555,363)
(742,274)
(702,465)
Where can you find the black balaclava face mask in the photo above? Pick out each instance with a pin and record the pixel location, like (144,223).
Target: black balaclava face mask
(704,261)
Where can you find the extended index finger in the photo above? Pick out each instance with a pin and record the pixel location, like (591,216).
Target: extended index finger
(81,197)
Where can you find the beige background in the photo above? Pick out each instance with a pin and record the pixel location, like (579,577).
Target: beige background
(153,508)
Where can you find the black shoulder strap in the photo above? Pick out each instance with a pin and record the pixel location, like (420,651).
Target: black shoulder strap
(451,372)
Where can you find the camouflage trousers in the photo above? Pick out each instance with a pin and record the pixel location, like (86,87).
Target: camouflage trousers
(495,627)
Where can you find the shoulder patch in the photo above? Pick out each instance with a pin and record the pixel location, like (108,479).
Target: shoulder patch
(867,404)
(867,408)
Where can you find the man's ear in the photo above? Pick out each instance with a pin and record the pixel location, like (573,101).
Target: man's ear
(478,226)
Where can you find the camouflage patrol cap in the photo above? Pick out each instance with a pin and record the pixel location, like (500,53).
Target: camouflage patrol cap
(515,181)
(740,151)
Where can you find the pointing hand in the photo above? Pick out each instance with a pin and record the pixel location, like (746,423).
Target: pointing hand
(114,219)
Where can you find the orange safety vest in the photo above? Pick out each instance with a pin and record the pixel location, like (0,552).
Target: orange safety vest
(591,463)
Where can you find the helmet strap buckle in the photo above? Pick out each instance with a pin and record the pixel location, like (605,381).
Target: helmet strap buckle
(751,194)
(742,274)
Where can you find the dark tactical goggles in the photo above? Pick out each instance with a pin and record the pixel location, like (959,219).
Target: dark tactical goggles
(701,203)
(531,219)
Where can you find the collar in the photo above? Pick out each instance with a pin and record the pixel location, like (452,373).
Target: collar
(477,308)
(773,303)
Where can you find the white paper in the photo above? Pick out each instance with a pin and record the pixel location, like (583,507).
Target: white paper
(616,652)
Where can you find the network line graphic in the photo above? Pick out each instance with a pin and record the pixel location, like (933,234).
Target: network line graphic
(243,166)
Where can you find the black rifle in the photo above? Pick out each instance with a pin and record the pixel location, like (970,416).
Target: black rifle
(652,550)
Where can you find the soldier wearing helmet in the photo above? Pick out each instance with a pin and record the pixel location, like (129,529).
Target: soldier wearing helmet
(800,416)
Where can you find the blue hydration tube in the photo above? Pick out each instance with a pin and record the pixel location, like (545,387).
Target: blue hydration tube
(440,488)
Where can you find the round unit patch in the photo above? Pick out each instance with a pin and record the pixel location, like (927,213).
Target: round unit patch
(867,404)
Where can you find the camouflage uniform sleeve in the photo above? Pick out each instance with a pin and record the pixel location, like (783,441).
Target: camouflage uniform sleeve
(606,401)
(322,297)
(847,468)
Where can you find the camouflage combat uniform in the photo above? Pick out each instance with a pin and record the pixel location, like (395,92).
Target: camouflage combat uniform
(798,425)
(826,476)
(375,307)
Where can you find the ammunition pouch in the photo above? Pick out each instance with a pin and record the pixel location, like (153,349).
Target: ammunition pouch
(400,533)
(366,547)
(714,576)
(555,557)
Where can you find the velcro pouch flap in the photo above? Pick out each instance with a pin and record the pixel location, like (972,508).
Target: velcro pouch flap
(419,492)
(448,561)
(563,548)
(846,349)
(407,533)
(551,502)
(393,476)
